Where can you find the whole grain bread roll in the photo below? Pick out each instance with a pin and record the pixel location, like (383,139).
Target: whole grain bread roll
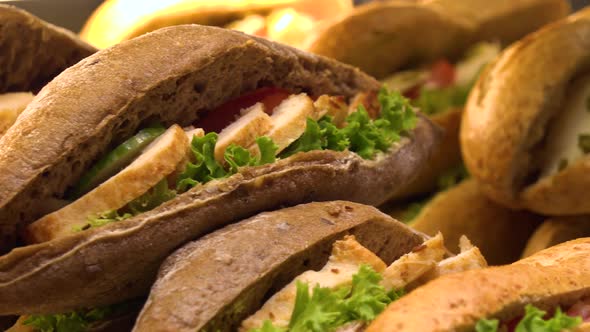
(558,276)
(33,52)
(173,75)
(509,114)
(216,282)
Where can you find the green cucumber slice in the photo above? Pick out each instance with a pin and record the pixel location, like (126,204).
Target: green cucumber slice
(115,161)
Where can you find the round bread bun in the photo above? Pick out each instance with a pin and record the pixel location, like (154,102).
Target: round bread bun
(118,20)
(508,117)
(500,233)
(556,231)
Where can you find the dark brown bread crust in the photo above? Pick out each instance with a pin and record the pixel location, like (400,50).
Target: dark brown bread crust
(33,52)
(120,260)
(214,283)
(172,75)
(556,276)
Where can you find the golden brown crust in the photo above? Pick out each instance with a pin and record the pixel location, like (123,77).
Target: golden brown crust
(216,282)
(108,96)
(557,276)
(500,233)
(390,35)
(556,231)
(393,34)
(507,116)
(34,51)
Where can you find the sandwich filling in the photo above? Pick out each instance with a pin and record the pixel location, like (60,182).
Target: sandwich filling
(442,86)
(576,318)
(259,128)
(355,286)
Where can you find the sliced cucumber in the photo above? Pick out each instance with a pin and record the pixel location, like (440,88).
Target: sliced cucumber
(115,160)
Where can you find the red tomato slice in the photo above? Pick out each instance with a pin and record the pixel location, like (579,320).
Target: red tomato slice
(442,74)
(227,113)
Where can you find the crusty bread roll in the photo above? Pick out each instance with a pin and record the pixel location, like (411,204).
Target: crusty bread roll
(558,276)
(509,115)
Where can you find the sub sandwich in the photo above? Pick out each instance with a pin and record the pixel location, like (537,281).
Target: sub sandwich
(159,140)
(548,291)
(32,52)
(285,21)
(315,267)
(432,51)
(527,143)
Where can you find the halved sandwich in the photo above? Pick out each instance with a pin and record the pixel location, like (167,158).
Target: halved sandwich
(159,140)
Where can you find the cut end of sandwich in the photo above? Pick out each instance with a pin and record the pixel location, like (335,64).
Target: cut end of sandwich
(157,160)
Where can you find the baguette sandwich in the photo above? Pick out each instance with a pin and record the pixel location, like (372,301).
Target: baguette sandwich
(159,140)
(525,134)
(547,291)
(317,267)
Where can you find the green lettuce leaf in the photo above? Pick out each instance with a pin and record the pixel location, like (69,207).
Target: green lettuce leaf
(268,327)
(533,321)
(326,309)
(397,114)
(102,219)
(205,167)
(366,137)
(434,101)
(77,321)
(156,196)
(487,325)
(367,298)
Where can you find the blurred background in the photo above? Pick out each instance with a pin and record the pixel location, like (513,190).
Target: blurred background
(72,14)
